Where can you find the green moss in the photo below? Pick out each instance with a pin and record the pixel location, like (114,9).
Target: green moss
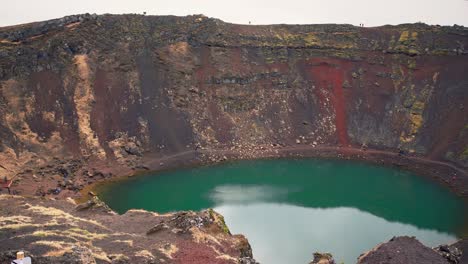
(219,219)
(449,155)
(392,43)
(412,64)
(464,154)
(441,52)
(413,52)
(311,40)
(407,43)
(404,36)
(418,107)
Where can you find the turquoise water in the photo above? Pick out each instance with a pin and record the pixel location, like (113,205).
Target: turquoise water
(289,209)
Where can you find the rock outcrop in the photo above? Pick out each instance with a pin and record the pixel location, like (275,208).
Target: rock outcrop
(322,258)
(406,250)
(62,232)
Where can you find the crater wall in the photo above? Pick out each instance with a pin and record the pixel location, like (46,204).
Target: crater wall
(105,87)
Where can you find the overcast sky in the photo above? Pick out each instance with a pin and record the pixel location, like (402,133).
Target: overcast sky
(369,12)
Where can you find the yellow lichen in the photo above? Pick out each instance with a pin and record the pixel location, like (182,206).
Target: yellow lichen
(56,213)
(168,250)
(17,226)
(18,222)
(128,243)
(416,122)
(83,234)
(311,40)
(202,237)
(15,219)
(404,36)
(418,107)
(145,254)
(58,247)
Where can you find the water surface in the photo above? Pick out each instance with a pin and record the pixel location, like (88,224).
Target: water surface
(289,209)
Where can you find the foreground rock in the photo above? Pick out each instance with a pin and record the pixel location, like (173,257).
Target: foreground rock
(450,252)
(53,231)
(322,258)
(60,231)
(408,250)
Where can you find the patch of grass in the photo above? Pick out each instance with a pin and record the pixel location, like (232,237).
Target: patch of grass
(219,219)
(404,36)
(464,154)
(40,234)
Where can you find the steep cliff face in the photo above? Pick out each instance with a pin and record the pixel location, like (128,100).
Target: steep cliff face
(103,87)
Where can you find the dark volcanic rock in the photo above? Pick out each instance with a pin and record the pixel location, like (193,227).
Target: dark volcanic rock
(400,250)
(322,258)
(450,252)
(157,228)
(94,203)
(463,246)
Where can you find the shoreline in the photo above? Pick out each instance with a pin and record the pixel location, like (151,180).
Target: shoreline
(444,173)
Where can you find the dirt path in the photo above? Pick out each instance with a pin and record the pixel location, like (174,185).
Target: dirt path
(444,172)
(342,150)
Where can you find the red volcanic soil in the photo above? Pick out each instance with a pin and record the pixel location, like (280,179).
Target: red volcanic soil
(190,252)
(329,74)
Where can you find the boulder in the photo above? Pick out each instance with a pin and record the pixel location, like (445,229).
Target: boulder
(159,227)
(450,253)
(400,250)
(322,258)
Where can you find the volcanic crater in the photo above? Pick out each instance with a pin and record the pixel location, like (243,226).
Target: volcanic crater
(92,98)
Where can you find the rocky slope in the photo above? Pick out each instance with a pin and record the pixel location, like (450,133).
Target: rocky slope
(62,232)
(52,231)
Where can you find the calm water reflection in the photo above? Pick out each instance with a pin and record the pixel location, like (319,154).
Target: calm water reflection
(271,226)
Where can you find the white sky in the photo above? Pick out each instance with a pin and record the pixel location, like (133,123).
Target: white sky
(369,12)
